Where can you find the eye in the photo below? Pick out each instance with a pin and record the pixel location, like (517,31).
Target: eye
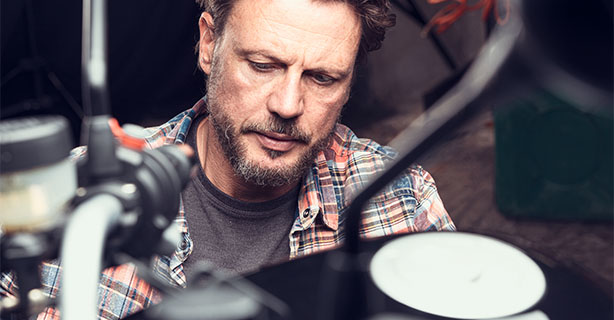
(322,79)
(261,67)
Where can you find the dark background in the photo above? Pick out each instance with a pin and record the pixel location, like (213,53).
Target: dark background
(151,64)
(153,76)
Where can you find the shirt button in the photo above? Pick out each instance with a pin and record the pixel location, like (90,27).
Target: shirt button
(183,245)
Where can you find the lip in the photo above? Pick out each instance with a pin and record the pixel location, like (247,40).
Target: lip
(276,141)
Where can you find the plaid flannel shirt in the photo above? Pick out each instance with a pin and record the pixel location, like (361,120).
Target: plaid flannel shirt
(410,204)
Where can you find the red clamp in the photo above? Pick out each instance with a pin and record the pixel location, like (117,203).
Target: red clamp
(124,138)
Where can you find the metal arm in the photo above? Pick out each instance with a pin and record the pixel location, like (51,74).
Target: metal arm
(81,255)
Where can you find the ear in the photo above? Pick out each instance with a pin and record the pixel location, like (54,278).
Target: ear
(206,43)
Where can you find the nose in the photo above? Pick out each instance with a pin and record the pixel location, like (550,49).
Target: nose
(286,100)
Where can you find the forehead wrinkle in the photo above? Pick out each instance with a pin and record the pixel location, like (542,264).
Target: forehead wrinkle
(337,42)
(270,20)
(257,50)
(346,39)
(307,30)
(277,25)
(324,51)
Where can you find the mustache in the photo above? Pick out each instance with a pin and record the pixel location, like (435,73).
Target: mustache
(278,125)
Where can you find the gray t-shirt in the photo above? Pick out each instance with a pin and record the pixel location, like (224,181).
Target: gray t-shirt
(233,234)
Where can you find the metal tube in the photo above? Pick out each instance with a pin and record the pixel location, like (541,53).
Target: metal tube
(81,255)
(93,58)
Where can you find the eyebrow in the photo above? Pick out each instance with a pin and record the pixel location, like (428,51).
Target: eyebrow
(264,53)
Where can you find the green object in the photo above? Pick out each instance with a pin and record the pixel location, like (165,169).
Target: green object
(553,161)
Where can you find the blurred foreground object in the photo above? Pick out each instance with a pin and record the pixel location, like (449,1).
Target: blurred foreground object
(37,183)
(37,179)
(554,140)
(444,18)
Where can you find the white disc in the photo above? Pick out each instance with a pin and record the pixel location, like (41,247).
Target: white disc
(458,275)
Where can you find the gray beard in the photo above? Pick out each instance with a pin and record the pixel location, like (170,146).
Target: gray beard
(227,136)
(251,172)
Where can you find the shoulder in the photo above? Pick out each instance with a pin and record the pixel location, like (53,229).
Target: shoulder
(410,203)
(361,152)
(350,163)
(356,161)
(346,143)
(173,131)
(352,160)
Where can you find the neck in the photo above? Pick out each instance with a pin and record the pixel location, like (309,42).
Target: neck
(219,171)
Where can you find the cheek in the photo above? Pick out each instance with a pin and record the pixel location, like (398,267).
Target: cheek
(333,97)
(235,80)
(322,117)
(327,105)
(237,91)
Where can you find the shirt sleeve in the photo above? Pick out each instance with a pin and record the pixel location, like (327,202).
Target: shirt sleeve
(430,211)
(7,285)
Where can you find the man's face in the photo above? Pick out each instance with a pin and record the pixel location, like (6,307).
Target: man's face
(279,75)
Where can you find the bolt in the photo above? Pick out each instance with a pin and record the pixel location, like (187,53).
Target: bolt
(128,188)
(81,192)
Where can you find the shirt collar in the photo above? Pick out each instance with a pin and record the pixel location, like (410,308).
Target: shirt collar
(317,196)
(182,122)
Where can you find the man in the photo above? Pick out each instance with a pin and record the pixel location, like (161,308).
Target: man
(277,170)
